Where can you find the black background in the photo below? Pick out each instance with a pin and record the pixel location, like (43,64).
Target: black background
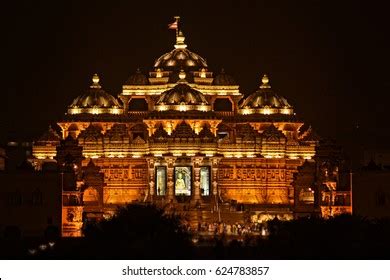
(330,59)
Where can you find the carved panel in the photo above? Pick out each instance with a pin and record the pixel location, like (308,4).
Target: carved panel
(123,195)
(259,195)
(115,173)
(139,173)
(250,173)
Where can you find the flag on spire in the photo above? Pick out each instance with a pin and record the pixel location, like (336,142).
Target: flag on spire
(175,24)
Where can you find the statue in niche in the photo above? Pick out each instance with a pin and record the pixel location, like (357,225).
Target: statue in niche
(180,183)
(183,181)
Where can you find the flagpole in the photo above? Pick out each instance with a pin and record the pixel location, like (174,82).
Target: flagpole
(177,29)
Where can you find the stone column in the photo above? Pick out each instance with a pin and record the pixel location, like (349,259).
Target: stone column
(151,179)
(125,100)
(236,99)
(171,185)
(216,191)
(196,197)
(214,165)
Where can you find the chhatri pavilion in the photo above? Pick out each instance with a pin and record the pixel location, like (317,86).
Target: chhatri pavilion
(186,139)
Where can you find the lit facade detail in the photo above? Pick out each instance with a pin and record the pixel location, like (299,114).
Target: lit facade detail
(265,102)
(95,101)
(167,140)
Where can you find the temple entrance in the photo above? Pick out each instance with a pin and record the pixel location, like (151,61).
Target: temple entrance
(183,181)
(188,183)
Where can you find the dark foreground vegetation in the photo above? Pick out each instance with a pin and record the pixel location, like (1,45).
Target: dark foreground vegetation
(144,232)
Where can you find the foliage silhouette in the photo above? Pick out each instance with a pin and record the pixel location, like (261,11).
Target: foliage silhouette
(134,232)
(146,232)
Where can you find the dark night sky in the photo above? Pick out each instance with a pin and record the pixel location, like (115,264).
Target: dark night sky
(330,59)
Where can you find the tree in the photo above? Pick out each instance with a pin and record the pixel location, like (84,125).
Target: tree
(134,232)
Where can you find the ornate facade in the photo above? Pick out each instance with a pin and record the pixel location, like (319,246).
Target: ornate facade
(186,138)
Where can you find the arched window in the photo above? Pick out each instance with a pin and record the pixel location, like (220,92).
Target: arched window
(223,105)
(138,104)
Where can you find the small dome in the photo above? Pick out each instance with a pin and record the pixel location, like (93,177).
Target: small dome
(95,101)
(182,93)
(49,136)
(223,79)
(180,58)
(182,97)
(265,101)
(137,79)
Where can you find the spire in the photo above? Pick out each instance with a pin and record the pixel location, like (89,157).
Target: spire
(179,34)
(95,81)
(180,41)
(177,20)
(265,82)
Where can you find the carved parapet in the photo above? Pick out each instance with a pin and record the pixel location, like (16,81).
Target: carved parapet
(125,100)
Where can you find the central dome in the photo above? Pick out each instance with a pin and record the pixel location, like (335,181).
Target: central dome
(182,97)
(180,58)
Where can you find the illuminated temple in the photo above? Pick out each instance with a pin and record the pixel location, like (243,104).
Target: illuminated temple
(186,139)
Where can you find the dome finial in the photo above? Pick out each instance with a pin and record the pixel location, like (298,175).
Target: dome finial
(182,76)
(95,81)
(180,41)
(265,82)
(95,78)
(179,34)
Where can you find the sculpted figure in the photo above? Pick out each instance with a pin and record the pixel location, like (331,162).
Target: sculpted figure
(180,183)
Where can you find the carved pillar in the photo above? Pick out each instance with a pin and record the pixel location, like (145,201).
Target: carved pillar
(125,101)
(236,99)
(171,185)
(64,129)
(196,197)
(150,103)
(151,178)
(291,195)
(214,165)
